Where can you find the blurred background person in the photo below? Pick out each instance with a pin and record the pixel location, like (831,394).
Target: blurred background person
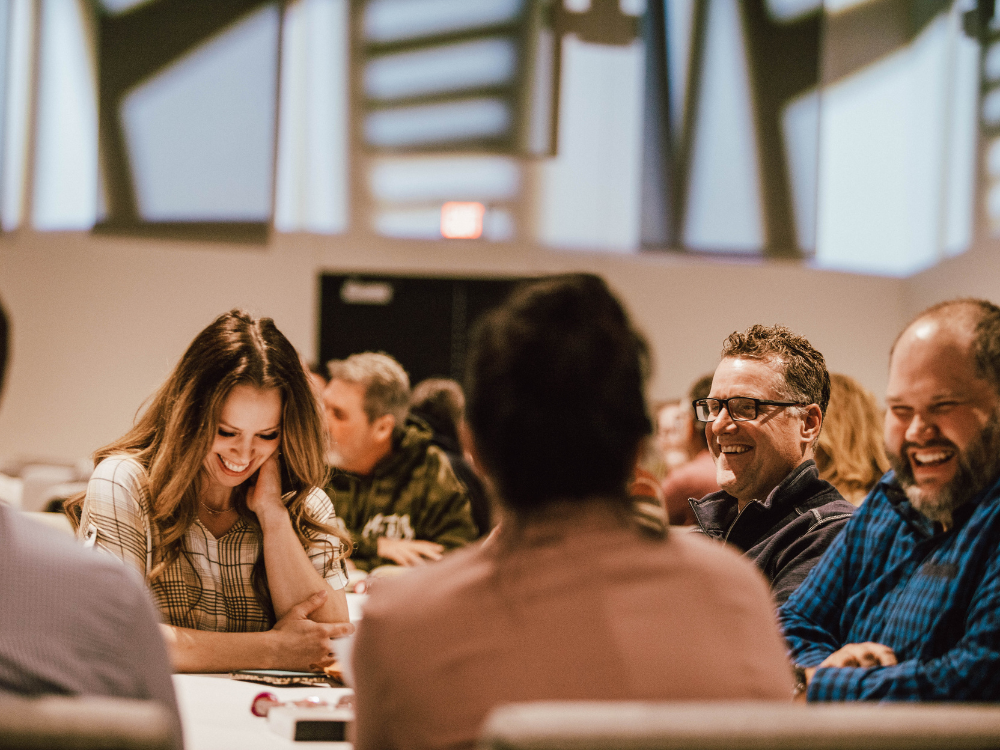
(671,435)
(696,477)
(396,492)
(850,454)
(440,402)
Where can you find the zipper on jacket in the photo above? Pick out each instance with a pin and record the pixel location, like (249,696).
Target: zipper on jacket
(736,521)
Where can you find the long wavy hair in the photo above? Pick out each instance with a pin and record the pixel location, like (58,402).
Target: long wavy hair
(850,453)
(174,434)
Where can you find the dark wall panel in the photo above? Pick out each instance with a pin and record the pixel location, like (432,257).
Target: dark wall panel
(422,322)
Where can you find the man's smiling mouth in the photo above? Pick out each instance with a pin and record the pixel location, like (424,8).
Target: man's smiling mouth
(931,457)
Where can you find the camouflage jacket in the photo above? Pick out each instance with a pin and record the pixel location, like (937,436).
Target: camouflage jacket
(412,493)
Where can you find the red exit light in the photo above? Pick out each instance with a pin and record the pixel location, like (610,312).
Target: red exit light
(462,221)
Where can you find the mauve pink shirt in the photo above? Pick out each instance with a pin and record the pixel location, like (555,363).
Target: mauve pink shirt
(577,605)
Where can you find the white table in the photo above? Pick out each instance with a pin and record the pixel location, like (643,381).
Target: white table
(215,713)
(215,709)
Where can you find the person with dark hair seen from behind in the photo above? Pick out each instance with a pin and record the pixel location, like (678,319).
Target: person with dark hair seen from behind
(568,599)
(904,605)
(72,621)
(440,402)
(697,477)
(396,493)
(764,413)
(850,454)
(214,497)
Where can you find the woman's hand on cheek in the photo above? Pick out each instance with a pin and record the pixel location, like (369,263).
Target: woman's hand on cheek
(265,495)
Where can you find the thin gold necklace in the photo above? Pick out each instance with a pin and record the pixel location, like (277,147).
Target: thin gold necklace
(213,511)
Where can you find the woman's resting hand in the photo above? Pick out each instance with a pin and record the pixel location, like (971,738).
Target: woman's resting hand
(299,643)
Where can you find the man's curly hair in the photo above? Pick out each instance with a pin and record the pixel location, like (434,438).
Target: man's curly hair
(804,369)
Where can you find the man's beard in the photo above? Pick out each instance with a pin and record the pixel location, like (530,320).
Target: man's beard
(978,468)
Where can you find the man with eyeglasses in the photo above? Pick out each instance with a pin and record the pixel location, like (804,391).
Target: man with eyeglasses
(904,606)
(764,414)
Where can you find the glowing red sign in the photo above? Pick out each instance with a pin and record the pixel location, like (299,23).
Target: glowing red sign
(462,221)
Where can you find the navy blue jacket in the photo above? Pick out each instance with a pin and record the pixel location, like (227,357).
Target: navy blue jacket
(786,532)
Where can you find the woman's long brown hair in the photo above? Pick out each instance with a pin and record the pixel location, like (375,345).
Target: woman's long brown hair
(174,434)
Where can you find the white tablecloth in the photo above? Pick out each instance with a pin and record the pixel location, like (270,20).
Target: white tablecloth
(215,713)
(215,709)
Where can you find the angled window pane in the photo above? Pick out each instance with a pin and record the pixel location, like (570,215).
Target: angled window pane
(897,157)
(6,31)
(17,102)
(991,108)
(396,20)
(200,134)
(65,180)
(800,127)
(991,63)
(790,10)
(122,6)
(724,210)
(438,123)
(452,75)
(589,193)
(480,178)
(454,67)
(312,172)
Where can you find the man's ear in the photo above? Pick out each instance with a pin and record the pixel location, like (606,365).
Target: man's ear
(471,451)
(382,428)
(812,423)
(470,448)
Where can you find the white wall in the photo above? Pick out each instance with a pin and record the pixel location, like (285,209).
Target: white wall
(973,274)
(98,322)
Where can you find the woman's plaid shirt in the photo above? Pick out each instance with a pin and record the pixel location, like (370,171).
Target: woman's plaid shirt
(209,586)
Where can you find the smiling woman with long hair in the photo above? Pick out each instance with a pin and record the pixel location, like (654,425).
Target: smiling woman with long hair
(213,496)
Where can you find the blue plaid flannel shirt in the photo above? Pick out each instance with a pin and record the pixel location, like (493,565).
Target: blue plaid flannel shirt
(933,597)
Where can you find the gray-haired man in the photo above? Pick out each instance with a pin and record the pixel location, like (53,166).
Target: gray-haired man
(395,492)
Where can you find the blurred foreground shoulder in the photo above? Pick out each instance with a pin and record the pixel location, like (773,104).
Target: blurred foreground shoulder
(75,620)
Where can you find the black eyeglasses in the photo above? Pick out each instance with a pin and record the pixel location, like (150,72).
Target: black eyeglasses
(740,408)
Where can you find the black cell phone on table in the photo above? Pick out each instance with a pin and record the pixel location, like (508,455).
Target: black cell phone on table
(281,677)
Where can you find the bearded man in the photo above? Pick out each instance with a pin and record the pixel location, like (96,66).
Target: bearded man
(904,606)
